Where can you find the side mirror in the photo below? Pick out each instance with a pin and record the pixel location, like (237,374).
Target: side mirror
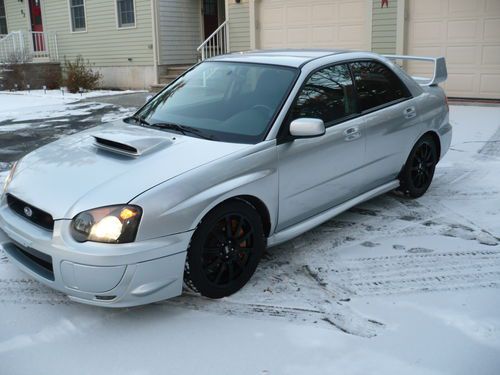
(307,128)
(148,98)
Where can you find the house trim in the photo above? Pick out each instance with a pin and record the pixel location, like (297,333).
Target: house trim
(202,22)
(117,20)
(71,18)
(400,27)
(369,23)
(155,35)
(253,25)
(28,14)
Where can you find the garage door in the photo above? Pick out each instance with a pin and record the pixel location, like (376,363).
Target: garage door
(313,24)
(467,32)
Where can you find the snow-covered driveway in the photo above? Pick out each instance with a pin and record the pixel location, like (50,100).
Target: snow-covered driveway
(30,120)
(393,286)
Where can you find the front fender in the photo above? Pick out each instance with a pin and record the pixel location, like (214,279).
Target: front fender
(178,205)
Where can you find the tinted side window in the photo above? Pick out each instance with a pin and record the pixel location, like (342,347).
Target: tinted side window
(327,94)
(376,84)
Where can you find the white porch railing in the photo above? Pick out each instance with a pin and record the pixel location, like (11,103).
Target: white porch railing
(216,44)
(10,45)
(25,46)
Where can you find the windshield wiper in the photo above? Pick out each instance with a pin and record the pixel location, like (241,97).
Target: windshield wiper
(183,129)
(140,120)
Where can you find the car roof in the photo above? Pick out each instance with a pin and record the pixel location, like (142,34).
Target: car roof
(285,57)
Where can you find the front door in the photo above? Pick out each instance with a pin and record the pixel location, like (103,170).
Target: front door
(210,17)
(391,121)
(36,25)
(319,173)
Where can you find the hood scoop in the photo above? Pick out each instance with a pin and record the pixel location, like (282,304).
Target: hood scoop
(129,145)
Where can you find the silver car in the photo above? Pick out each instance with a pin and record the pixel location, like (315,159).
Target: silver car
(240,153)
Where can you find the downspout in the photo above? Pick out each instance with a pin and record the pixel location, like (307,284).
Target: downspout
(154,27)
(401,28)
(253,25)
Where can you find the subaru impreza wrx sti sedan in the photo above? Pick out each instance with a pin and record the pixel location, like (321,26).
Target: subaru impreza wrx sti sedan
(241,152)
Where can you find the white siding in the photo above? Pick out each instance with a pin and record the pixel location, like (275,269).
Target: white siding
(384,27)
(103,43)
(17,15)
(239,26)
(180,31)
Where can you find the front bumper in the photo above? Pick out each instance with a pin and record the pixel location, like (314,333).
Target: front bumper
(99,274)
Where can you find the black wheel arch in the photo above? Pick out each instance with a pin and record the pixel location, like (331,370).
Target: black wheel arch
(437,142)
(257,204)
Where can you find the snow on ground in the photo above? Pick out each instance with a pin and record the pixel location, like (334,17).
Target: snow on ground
(30,121)
(58,96)
(393,286)
(24,105)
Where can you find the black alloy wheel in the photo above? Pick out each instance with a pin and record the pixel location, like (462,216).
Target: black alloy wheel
(225,250)
(417,174)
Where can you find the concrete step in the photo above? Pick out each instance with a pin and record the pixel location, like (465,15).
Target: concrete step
(177,69)
(156,87)
(171,73)
(168,78)
(164,81)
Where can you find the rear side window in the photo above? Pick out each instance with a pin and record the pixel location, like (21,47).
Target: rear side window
(377,85)
(327,95)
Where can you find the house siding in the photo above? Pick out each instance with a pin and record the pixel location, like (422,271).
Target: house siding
(384,27)
(103,43)
(239,26)
(17,15)
(179,31)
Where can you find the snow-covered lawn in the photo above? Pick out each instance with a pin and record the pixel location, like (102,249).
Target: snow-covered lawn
(28,105)
(393,286)
(55,96)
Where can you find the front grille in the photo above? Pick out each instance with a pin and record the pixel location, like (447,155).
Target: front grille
(30,212)
(33,259)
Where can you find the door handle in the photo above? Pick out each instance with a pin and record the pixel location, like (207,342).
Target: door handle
(351,130)
(352,133)
(410,112)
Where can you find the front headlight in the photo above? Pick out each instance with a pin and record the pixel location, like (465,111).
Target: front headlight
(113,224)
(9,178)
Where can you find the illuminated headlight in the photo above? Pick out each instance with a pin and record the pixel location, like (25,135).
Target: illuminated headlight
(113,224)
(10,176)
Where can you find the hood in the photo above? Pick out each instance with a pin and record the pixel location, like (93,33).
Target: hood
(106,165)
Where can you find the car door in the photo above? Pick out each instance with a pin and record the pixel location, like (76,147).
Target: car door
(391,121)
(318,173)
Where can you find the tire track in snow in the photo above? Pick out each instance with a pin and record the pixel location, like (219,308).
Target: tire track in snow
(491,147)
(331,315)
(418,273)
(330,288)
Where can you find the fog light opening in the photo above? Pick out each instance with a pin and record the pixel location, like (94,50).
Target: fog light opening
(105,298)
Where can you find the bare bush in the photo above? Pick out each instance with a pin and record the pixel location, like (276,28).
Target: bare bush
(79,74)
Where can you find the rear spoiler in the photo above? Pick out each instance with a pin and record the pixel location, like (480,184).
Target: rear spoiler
(439,75)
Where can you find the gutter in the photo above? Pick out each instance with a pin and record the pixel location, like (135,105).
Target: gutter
(154,27)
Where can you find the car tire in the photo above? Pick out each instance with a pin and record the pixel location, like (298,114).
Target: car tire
(417,174)
(225,250)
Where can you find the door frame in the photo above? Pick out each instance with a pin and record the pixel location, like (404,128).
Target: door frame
(222,14)
(28,12)
(31,38)
(332,131)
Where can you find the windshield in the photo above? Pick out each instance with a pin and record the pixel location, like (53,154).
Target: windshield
(224,101)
